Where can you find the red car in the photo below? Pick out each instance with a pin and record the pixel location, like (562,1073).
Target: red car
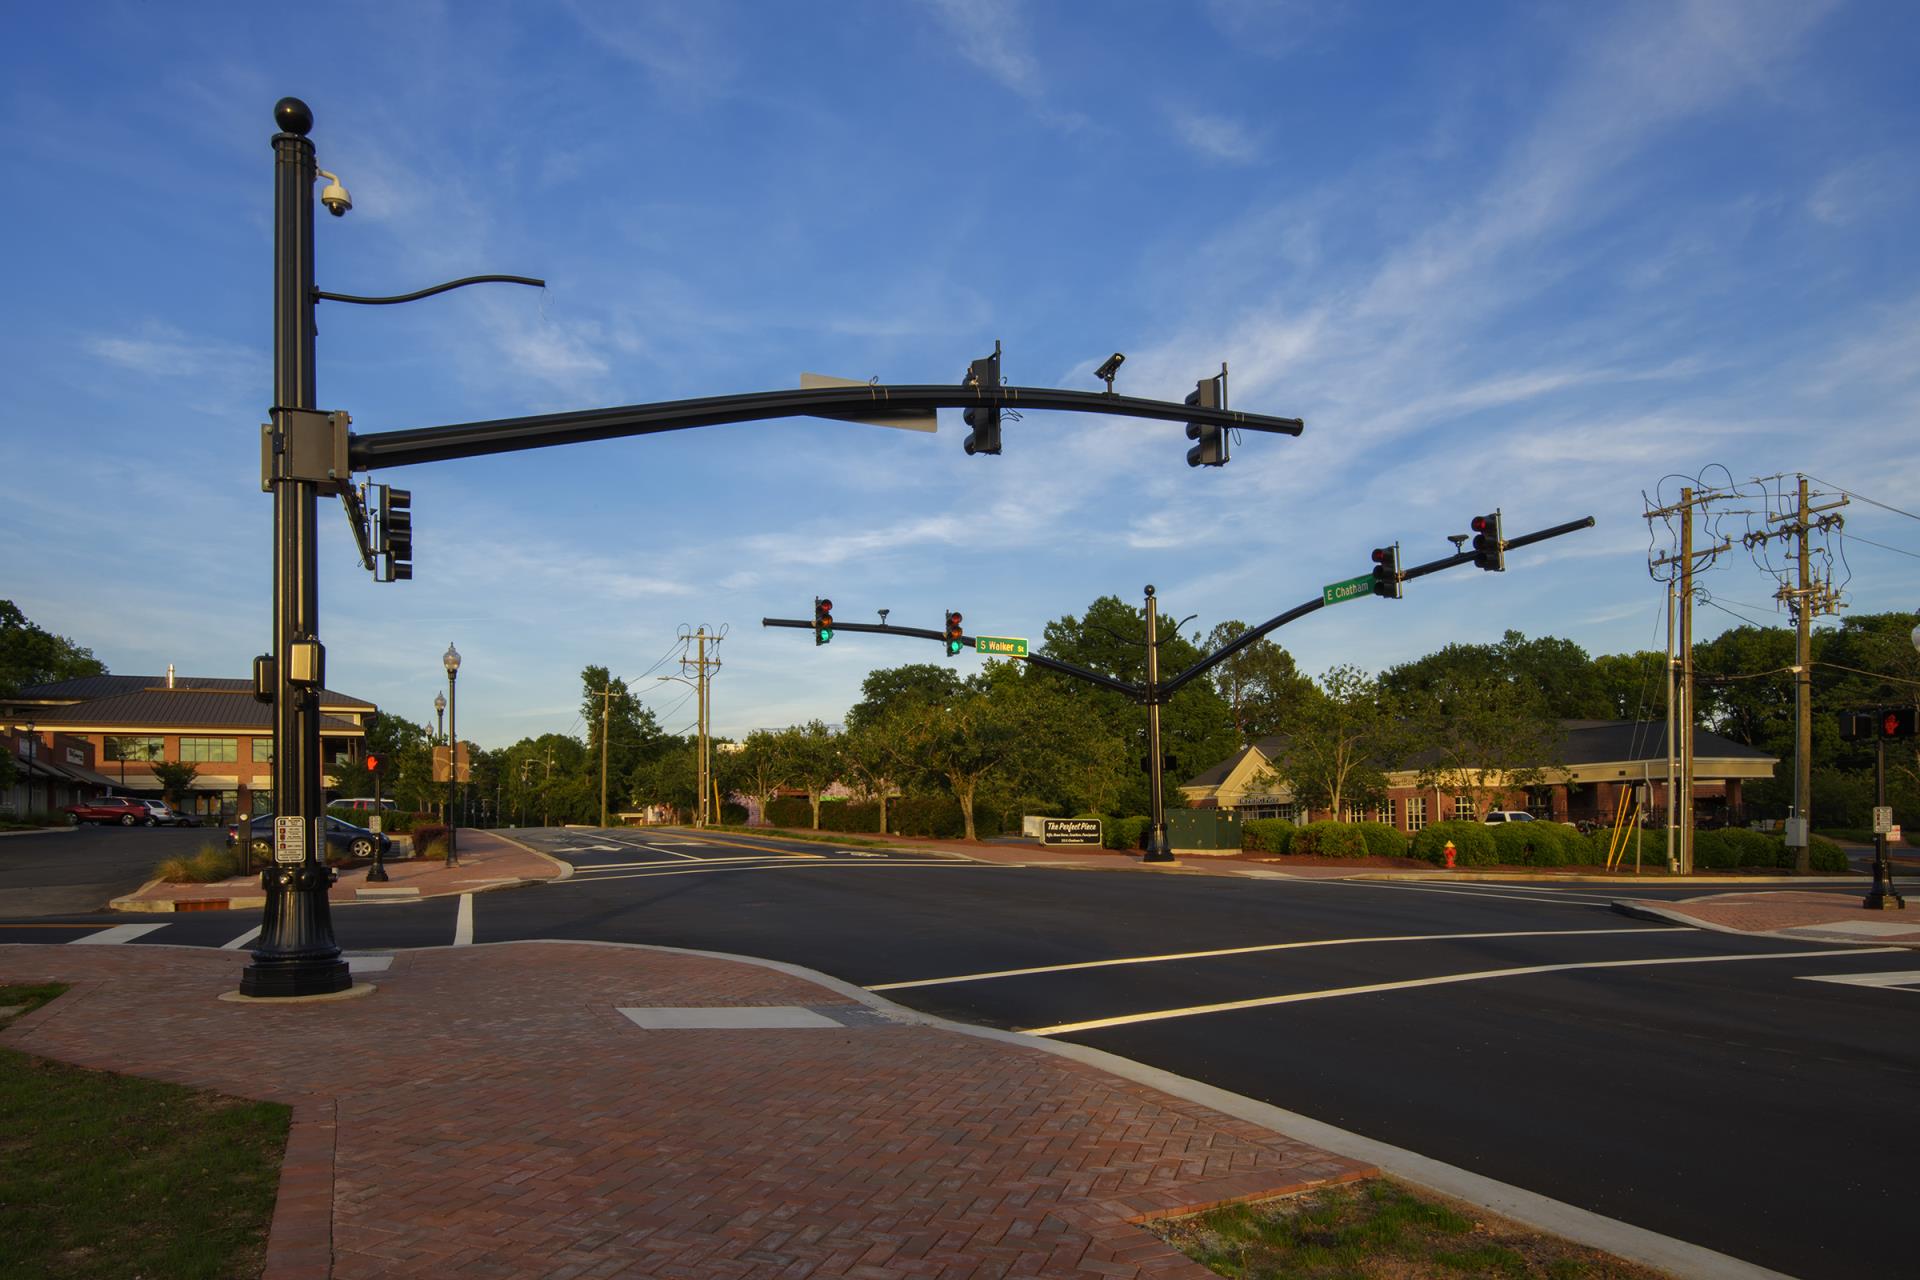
(124,810)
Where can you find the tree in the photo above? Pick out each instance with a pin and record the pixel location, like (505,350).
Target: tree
(174,778)
(1632,686)
(815,760)
(1261,686)
(633,733)
(1555,673)
(961,744)
(872,754)
(1338,749)
(763,768)
(30,655)
(1478,734)
(888,688)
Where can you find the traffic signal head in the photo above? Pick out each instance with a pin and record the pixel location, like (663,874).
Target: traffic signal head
(983,419)
(373,764)
(953,633)
(1896,722)
(393,534)
(822,620)
(1489,549)
(1386,571)
(1212,449)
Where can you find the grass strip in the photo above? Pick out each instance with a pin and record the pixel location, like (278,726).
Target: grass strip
(816,837)
(1379,1230)
(109,1175)
(208,863)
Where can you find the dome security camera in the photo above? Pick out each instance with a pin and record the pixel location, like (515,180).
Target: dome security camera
(334,196)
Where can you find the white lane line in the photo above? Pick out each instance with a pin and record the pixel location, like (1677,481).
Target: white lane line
(1260,1002)
(1243,951)
(680,866)
(1909,981)
(463,923)
(1469,893)
(646,847)
(119,933)
(797,865)
(242,940)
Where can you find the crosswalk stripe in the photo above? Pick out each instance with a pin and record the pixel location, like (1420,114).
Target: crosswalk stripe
(119,933)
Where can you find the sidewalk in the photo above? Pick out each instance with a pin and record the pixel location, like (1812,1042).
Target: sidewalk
(487,861)
(1797,914)
(575,1110)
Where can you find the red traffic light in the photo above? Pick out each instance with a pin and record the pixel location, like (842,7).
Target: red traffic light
(1382,555)
(825,606)
(1480,524)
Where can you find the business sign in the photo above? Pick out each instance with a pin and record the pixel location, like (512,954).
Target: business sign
(1070,831)
(1351,589)
(1000,646)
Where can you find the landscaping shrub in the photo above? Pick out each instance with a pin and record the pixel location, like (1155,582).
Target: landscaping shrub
(733,815)
(1330,840)
(790,811)
(208,863)
(1267,835)
(1752,849)
(1827,857)
(1382,840)
(1124,833)
(430,841)
(1472,843)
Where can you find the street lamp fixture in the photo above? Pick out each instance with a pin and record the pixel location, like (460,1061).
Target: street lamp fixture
(451,661)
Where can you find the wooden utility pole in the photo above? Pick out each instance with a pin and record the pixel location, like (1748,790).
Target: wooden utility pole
(708,809)
(606,702)
(1680,735)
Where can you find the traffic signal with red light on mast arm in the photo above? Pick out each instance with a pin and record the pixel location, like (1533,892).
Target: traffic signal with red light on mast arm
(983,418)
(1386,571)
(822,620)
(1208,393)
(953,633)
(1489,550)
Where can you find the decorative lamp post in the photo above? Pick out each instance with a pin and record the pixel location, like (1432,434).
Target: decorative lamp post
(451,661)
(440,739)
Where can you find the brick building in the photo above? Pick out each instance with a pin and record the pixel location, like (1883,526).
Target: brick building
(128,723)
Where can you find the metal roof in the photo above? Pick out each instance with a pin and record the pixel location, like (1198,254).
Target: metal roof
(89,688)
(151,711)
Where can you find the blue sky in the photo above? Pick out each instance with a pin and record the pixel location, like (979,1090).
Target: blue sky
(1530,256)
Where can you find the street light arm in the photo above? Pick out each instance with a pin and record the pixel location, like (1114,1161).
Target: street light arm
(323,295)
(513,435)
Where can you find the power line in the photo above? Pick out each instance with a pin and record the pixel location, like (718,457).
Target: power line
(1872,502)
(1883,546)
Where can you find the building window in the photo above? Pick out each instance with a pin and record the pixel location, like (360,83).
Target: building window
(1389,812)
(1249,812)
(1463,808)
(1416,813)
(263,750)
(209,750)
(137,749)
(1355,813)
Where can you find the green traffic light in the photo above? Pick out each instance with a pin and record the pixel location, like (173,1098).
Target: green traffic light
(953,648)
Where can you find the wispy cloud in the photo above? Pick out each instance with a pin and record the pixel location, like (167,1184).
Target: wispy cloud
(1215,137)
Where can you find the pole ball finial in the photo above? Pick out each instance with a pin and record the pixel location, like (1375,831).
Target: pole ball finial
(293,116)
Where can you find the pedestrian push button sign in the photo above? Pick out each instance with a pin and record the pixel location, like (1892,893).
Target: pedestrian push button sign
(289,840)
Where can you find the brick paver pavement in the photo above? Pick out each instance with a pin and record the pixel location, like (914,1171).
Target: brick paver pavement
(488,1112)
(1791,914)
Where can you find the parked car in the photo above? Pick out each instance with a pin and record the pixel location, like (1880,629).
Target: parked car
(168,816)
(1507,815)
(361,804)
(343,838)
(125,810)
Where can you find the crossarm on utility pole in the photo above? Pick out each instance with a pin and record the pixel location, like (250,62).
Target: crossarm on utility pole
(512,435)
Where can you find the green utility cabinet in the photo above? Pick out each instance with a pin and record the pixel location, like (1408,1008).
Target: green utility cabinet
(1203,830)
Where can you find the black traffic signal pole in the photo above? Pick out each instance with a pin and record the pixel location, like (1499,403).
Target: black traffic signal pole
(511,435)
(1154,692)
(306,454)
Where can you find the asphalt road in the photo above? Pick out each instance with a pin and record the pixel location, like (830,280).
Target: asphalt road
(1693,1083)
(82,869)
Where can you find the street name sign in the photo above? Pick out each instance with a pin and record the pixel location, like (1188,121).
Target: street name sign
(1000,646)
(1351,589)
(1070,831)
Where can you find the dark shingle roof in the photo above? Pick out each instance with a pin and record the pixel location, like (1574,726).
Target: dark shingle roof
(148,710)
(88,688)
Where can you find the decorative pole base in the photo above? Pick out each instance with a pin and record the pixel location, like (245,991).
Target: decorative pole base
(1157,848)
(298,956)
(1884,900)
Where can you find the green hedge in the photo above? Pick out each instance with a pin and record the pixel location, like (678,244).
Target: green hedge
(733,815)
(1472,842)
(1124,833)
(1330,840)
(1382,840)
(935,816)
(1861,835)
(1267,835)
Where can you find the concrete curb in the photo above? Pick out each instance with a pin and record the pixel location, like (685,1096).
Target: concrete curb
(1570,1222)
(1658,882)
(566,868)
(36,831)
